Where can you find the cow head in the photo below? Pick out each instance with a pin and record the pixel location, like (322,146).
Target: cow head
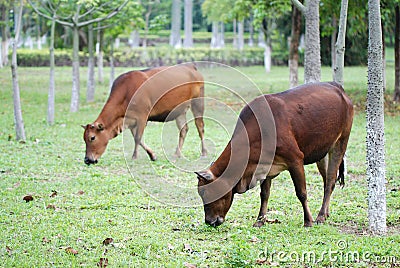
(96,139)
(217,198)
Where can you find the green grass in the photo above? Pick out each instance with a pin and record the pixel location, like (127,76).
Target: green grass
(97,202)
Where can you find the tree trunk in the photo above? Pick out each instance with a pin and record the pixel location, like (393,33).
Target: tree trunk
(5,34)
(294,47)
(188,41)
(135,38)
(214,36)
(99,51)
(312,54)
(267,30)
(333,41)
(251,32)
(90,80)
(383,57)
(240,44)
(112,67)
(338,68)
(175,37)
(396,96)
(375,124)
(51,95)
(75,71)
(221,34)
(235,35)
(19,122)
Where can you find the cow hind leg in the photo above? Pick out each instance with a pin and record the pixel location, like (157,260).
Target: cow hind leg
(299,181)
(335,159)
(181,123)
(197,107)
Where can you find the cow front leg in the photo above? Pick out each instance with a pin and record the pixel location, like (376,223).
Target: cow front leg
(299,181)
(264,196)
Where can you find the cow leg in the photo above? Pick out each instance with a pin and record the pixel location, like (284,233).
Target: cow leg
(137,133)
(323,169)
(181,123)
(264,195)
(299,181)
(197,107)
(335,158)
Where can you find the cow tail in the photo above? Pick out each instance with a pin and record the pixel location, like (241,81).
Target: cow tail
(340,177)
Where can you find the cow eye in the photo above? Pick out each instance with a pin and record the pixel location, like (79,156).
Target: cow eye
(92,138)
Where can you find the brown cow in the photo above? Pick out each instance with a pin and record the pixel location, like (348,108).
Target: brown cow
(158,94)
(284,131)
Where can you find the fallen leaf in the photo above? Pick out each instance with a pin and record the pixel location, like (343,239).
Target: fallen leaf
(28,198)
(107,241)
(80,192)
(254,239)
(103,263)
(262,261)
(8,249)
(45,240)
(70,250)
(189,265)
(50,206)
(187,248)
(53,193)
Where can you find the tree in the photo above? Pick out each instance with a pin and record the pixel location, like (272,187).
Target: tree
(188,27)
(175,37)
(396,96)
(375,124)
(76,16)
(52,86)
(19,122)
(312,53)
(5,30)
(340,44)
(217,13)
(294,47)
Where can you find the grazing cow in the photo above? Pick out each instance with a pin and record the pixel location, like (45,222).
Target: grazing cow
(284,131)
(158,94)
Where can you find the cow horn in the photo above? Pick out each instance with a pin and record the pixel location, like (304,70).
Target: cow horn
(204,175)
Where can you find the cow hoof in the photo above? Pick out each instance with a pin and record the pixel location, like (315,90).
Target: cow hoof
(259,223)
(153,157)
(320,220)
(308,224)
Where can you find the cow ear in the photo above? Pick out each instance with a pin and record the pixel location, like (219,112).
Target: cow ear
(208,176)
(100,127)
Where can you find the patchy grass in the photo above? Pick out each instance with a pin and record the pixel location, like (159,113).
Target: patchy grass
(76,207)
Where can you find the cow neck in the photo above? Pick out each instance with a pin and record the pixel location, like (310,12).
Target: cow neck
(112,117)
(219,166)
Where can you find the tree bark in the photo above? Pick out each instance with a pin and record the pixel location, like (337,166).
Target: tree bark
(240,44)
(19,122)
(294,47)
(338,69)
(396,96)
(99,51)
(51,94)
(214,37)
(333,41)
(90,91)
(5,34)
(112,67)
(175,37)
(375,140)
(188,27)
(75,71)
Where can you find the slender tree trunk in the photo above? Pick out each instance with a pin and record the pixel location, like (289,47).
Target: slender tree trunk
(396,96)
(75,71)
(214,36)
(99,51)
(135,38)
(267,29)
(333,41)
(375,124)
(240,44)
(112,67)
(175,37)
(338,68)
(294,47)
(221,34)
(251,32)
(5,34)
(383,57)
(188,27)
(312,55)
(235,34)
(51,95)
(90,80)
(19,122)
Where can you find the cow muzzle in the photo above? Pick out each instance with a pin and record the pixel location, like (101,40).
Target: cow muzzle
(215,222)
(89,161)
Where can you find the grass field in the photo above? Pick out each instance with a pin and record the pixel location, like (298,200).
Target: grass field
(75,208)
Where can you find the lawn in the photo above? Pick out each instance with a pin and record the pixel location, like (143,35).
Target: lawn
(76,209)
